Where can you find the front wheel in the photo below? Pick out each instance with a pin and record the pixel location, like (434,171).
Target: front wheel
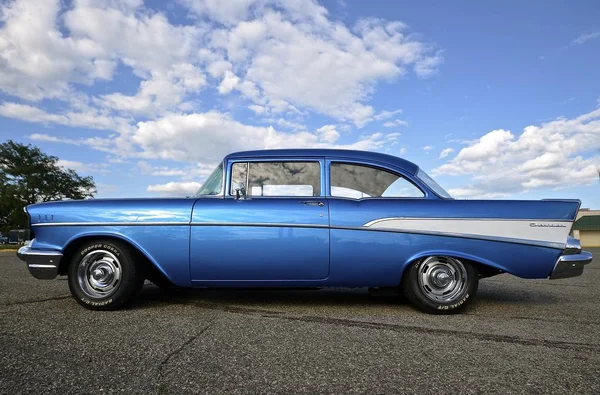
(440,284)
(104,276)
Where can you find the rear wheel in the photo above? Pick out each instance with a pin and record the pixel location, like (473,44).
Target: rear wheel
(104,276)
(440,284)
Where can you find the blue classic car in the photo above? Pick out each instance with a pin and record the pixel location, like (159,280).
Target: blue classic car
(303,218)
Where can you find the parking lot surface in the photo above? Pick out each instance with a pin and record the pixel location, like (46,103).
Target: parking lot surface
(521,336)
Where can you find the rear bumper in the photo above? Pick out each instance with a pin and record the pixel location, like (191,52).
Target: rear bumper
(42,264)
(570,265)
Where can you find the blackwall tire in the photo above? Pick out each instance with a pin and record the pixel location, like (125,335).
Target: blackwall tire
(440,285)
(103,275)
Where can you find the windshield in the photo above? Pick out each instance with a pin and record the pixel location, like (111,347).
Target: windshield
(213,184)
(430,182)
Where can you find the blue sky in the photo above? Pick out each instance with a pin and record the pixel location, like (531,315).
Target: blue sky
(496,100)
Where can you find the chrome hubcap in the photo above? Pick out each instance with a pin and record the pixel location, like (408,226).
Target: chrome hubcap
(99,274)
(442,279)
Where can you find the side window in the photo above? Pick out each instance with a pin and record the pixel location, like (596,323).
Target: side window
(360,181)
(239,172)
(277,178)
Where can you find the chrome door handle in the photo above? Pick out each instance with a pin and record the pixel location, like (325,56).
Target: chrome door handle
(312,203)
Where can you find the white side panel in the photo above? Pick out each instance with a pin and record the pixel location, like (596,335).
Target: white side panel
(531,230)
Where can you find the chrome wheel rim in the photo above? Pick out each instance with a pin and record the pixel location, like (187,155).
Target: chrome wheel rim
(99,274)
(442,279)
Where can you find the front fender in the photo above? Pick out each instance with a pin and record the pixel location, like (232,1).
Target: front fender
(167,250)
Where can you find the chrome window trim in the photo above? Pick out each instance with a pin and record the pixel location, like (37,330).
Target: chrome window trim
(319,160)
(384,167)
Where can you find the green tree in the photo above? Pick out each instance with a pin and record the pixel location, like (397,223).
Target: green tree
(28,176)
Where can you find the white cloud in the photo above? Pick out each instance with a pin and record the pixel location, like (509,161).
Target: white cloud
(184,188)
(200,137)
(81,167)
(142,40)
(88,118)
(427,148)
(229,82)
(37,61)
(282,56)
(557,154)
(163,91)
(386,114)
(30,114)
(227,12)
(428,66)
(282,59)
(393,136)
(101,144)
(445,152)
(586,37)
(199,170)
(258,110)
(394,123)
(51,139)
(328,133)
(287,124)
(321,66)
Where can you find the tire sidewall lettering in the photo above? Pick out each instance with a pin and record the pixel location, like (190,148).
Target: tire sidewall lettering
(453,306)
(97,304)
(106,247)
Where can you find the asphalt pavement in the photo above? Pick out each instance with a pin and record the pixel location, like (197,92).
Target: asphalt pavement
(521,336)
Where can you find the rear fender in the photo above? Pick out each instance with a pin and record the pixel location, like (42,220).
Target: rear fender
(454,254)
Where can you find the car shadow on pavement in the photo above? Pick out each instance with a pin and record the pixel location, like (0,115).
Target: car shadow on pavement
(350,298)
(516,293)
(266,298)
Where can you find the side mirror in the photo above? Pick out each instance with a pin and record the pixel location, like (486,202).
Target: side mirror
(241,191)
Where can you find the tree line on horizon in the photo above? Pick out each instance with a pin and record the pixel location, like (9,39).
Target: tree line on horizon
(29,176)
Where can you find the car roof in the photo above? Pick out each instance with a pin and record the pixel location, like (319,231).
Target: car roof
(367,156)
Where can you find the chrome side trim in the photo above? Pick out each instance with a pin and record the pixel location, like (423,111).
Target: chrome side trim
(261,224)
(538,231)
(547,244)
(375,221)
(368,224)
(43,224)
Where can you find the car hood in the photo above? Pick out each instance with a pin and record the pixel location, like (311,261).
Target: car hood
(159,210)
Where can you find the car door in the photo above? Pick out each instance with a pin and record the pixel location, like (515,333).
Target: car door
(358,195)
(271,225)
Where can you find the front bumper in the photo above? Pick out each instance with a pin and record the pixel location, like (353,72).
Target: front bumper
(571,262)
(42,264)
